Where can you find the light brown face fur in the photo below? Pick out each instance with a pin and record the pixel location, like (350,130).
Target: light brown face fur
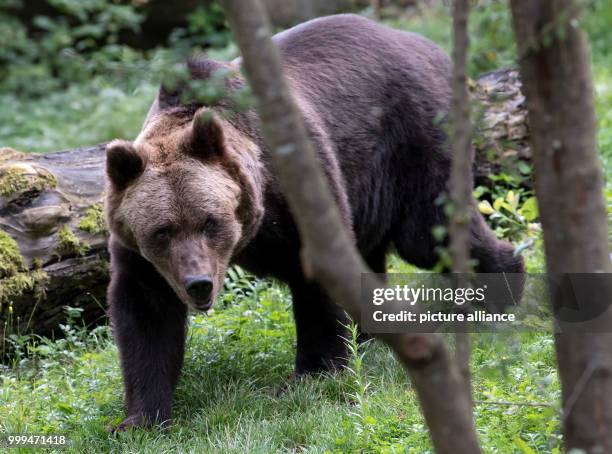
(180,210)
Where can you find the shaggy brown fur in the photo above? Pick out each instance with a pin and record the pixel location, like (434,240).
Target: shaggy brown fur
(195,191)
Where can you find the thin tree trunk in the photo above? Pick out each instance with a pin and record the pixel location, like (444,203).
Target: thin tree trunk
(328,254)
(555,67)
(460,184)
(461,170)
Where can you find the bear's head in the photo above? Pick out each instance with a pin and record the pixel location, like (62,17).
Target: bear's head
(186,196)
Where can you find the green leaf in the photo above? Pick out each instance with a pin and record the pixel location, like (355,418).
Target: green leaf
(439,233)
(513,199)
(520,443)
(524,168)
(370,420)
(65,408)
(530,210)
(498,203)
(485,207)
(479,191)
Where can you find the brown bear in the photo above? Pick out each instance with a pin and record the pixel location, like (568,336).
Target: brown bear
(195,192)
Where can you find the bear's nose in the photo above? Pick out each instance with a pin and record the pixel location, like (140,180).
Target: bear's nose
(199,287)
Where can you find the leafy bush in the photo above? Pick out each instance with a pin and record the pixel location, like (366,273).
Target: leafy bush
(206,27)
(597,22)
(95,88)
(53,52)
(492,45)
(490,30)
(512,218)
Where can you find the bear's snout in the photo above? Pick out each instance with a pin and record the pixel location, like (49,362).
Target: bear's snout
(200,288)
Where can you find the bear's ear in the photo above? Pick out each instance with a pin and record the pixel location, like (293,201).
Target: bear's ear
(169,94)
(123,163)
(206,136)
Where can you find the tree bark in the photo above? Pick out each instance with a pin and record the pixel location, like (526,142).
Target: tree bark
(460,184)
(461,169)
(555,67)
(328,252)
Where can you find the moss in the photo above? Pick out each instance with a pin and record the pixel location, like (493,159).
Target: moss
(21,178)
(12,180)
(93,221)
(14,286)
(69,244)
(11,260)
(15,279)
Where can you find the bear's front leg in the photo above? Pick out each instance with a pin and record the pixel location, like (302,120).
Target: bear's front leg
(148,323)
(321,327)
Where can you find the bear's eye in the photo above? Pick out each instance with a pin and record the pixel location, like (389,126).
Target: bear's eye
(162,235)
(210,225)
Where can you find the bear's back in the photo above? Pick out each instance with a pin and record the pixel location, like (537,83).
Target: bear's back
(369,85)
(346,56)
(345,38)
(377,93)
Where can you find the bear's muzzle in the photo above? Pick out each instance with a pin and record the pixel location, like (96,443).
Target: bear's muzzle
(199,288)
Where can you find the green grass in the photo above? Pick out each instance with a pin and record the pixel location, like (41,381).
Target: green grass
(99,110)
(228,400)
(80,116)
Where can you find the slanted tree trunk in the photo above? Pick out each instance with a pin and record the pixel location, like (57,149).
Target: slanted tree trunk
(555,67)
(328,254)
(51,206)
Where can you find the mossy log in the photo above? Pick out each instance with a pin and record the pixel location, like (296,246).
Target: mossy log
(52,238)
(52,232)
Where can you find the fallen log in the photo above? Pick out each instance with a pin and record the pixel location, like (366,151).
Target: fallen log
(52,231)
(52,238)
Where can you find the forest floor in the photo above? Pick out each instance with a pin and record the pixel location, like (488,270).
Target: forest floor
(237,360)
(240,356)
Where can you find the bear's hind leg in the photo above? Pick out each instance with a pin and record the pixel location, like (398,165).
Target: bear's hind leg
(415,243)
(320,331)
(148,323)
(377,260)
(493,255)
